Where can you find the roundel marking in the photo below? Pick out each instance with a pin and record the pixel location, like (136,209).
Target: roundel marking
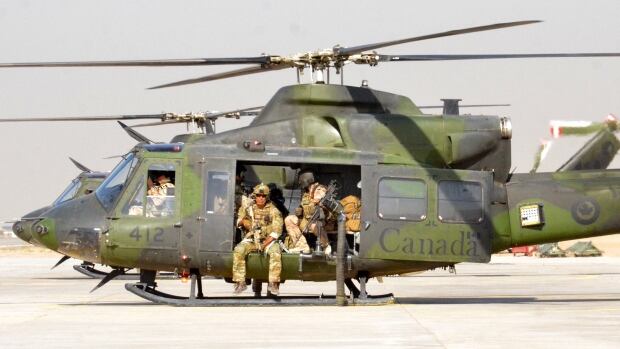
(585,211)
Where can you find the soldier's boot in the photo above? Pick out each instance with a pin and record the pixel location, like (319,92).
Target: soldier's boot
(274,288)
(240,287)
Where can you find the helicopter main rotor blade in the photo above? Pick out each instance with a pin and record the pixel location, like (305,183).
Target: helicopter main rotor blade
(224,75)
(235,113)
(87,118)
(158,123)
(143,63)
(458,57)
(201,118)
(80,166)
(135,134)
(368,47)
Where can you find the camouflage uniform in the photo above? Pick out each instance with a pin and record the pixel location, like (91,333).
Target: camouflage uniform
(295,241)
(158,197)
(269,221)
(308,204)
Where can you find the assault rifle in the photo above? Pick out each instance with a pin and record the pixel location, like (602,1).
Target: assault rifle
(328,202)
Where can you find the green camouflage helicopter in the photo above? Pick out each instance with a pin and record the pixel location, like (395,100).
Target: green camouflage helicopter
(436,190)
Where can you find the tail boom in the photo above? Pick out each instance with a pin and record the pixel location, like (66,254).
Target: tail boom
(551,207)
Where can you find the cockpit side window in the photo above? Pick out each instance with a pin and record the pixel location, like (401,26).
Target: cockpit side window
(217,193)
(160,191)
(68,193)
(112,187)
(135,206)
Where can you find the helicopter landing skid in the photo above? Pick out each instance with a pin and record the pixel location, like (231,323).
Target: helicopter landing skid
(151,294)
(92,272)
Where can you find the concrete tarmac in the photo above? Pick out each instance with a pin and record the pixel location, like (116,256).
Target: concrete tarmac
(512,302)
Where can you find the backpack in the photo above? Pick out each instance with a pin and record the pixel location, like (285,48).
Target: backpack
(352,206)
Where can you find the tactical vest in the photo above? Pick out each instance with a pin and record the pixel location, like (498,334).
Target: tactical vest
(268,219)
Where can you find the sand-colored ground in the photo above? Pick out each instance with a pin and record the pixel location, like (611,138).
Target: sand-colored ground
(31,251)
(511,302)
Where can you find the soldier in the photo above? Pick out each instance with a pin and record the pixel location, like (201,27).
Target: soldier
(295,224)
(159,204)
(164,186)
(262,223)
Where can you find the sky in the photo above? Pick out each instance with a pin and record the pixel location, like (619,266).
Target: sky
(35,166)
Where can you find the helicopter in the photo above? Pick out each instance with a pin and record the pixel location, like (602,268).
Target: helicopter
(436,190)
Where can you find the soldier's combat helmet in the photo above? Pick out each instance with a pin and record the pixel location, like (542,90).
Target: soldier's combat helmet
(261,189)
(305,179)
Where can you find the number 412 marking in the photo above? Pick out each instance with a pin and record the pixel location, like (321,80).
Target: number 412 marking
(158,236)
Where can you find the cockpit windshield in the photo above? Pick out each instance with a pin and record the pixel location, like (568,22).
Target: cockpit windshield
(112,187)
(68,193)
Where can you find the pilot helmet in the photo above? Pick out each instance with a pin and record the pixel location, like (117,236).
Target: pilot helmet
(305,179)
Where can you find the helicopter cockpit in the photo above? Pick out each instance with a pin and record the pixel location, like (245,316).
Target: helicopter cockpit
(156,196)
(84,184)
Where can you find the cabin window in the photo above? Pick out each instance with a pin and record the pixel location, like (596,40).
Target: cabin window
(217,193)
(460,202)
(402,199)
(160,191)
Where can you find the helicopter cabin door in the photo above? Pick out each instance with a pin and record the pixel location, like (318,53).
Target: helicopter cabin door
(217,215)
(434,215)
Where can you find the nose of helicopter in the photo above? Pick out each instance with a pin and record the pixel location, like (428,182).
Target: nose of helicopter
(23,227)
(72,228)
(44,233)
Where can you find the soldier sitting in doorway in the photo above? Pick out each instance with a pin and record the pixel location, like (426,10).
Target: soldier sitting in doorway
(298,223)
(262,223)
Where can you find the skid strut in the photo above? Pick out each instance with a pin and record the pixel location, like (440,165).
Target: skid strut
(155,296)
